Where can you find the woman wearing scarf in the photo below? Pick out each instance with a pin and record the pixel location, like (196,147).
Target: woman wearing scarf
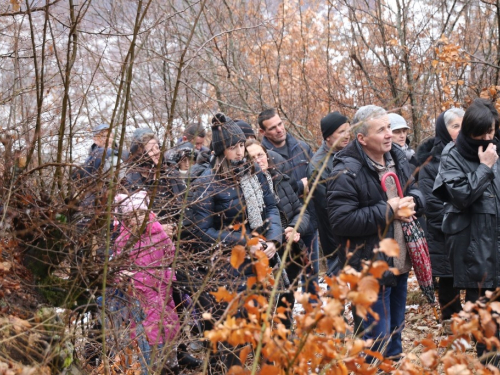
(232,195)
(469,183)
(447,128)
(289,207)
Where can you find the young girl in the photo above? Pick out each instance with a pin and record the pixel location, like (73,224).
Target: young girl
(148,255)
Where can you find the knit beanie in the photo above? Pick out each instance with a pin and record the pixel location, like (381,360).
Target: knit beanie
(246,127)
(331,122)
(225,133)
(131,203)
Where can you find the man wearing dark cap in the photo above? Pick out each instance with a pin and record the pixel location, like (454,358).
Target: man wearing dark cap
(336,134)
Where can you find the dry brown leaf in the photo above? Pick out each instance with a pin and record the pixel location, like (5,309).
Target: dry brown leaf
(244,353)
(223,294)
(389,247)
(237,256)
(5,266)
(253,241)
(458,369)
(261,265)
(429,358)
(19,325)
(404,212)
(378,268)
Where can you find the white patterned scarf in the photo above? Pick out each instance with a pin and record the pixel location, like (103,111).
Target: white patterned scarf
(254,198)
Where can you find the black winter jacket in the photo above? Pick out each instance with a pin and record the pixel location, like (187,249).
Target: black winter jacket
(219,203)
(357,205)
(299,156)
(434,207)
(471,191)
(328,243)
(289,205)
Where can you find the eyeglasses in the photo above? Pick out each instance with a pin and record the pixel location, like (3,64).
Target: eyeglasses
(260,156)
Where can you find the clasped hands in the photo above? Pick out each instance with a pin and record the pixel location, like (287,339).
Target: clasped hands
(403,208)
(269,248)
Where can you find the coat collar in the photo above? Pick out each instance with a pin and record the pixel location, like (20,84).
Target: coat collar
(290,142)
(355,151)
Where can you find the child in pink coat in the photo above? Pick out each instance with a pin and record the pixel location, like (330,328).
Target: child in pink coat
(148,259)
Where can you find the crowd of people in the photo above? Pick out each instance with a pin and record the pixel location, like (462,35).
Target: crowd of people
(196,202)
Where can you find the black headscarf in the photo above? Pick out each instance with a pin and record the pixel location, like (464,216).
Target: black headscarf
(442,134)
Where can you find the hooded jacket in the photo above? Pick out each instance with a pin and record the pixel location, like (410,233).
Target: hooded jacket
(152,278)
(471,192)
(357,205)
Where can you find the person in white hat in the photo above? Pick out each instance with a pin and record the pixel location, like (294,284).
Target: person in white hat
(400,129)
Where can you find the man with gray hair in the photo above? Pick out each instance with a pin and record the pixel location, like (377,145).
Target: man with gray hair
(360,212)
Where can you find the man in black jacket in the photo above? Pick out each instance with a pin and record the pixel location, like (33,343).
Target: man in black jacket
(360,212)
(298,154)
(336,134)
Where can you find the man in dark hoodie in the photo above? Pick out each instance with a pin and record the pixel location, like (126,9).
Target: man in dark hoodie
(336,134)
(447,128)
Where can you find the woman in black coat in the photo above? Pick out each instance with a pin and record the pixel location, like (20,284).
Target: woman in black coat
(231,196)
(447,128)
(469,183)
(289,207)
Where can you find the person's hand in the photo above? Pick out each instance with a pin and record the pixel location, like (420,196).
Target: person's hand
(254,248)
(406,209)
(488,157)
(270,250)
(169,229)
(394,203)
(306,187)
(290,235)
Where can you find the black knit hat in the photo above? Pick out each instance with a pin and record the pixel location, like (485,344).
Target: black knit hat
(246,127)
(332,122)
(225,133)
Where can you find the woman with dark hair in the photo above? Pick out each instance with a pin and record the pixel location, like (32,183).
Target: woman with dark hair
(289,207)
(447,128)
(469,183)
(232,195)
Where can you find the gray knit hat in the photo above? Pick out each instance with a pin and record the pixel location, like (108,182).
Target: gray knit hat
(225,133)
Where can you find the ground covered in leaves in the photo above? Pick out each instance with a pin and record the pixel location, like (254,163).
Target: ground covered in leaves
(22,309)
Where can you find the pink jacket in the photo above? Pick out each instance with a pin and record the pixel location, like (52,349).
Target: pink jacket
(149,259)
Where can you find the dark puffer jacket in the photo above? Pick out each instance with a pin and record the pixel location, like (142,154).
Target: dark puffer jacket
(219,203)
(434,207)
(357,205)
(299,155)
(297,162)
(289,204)
(471,191)
(328,243)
